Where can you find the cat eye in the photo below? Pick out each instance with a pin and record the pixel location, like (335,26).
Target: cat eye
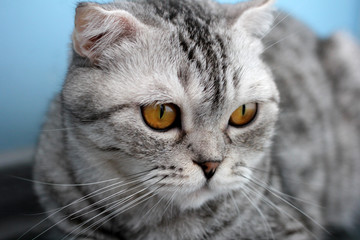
(243,115)
(160,116)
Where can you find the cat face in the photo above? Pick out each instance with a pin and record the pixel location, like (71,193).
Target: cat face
(190,105)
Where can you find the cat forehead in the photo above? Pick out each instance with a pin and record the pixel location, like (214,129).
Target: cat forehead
(171,64)
(190,59)
(196,43)
(177,69)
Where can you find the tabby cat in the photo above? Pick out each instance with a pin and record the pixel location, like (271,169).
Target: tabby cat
(184,119)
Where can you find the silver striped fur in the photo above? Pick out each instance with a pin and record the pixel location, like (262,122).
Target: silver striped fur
(292,174)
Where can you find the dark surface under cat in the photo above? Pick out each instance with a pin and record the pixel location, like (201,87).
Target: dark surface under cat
(19,207)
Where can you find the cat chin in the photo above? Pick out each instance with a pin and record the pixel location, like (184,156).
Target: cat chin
(196,199)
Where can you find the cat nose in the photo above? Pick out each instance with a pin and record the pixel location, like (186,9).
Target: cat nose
(208,168)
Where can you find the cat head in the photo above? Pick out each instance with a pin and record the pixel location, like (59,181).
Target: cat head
(175,90)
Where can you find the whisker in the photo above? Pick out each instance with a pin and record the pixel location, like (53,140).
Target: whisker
(275,174)
(153,207)
(128,206)
(118,203)
(72,203)
(65,184)
(75,185)
(123,209)
(289,196)
(237,209)
(171,199)
(109,197)
(282,39)
(98,191)
(297,199)
(102,192)
(266,223)
(280,210)
(109,209)
(277,24)
(233,200)
(256,169)
(39,213)
(287,202)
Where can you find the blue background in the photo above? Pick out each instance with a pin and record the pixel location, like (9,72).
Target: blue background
(34,46)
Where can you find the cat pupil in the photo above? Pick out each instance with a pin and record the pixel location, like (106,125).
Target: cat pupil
(243,110)
(162,110)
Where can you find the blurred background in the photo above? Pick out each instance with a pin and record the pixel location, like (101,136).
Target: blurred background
(34,47)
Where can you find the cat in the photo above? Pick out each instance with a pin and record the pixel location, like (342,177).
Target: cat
(199,120)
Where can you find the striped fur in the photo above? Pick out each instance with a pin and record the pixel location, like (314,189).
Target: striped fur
(106,175)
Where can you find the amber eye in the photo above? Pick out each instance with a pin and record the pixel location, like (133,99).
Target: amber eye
(243,115)
(160,116)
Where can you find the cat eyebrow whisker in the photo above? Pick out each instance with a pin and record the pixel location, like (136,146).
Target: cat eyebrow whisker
(282,39)
(275,25)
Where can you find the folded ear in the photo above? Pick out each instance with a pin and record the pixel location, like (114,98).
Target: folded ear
(97,28)
(254,16)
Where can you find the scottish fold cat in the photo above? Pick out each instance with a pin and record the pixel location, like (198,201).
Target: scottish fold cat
(199,120)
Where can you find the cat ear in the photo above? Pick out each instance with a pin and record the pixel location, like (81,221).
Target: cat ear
(97,28)
(254,16)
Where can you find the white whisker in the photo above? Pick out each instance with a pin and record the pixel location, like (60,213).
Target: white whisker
(131,205)
(171,199)
(123,209)
(153,207)
(92,194)
(118,203)
(266,223)
(233,200)
(66,184)
(280,210)
(282,39)
(140,183)
(259,183)
(277,24)
(284,194)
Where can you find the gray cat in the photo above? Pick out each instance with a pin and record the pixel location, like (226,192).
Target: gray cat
(197,120)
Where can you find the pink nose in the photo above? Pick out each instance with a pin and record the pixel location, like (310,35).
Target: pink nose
(208,168)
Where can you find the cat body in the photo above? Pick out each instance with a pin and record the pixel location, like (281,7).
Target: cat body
(112,175)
